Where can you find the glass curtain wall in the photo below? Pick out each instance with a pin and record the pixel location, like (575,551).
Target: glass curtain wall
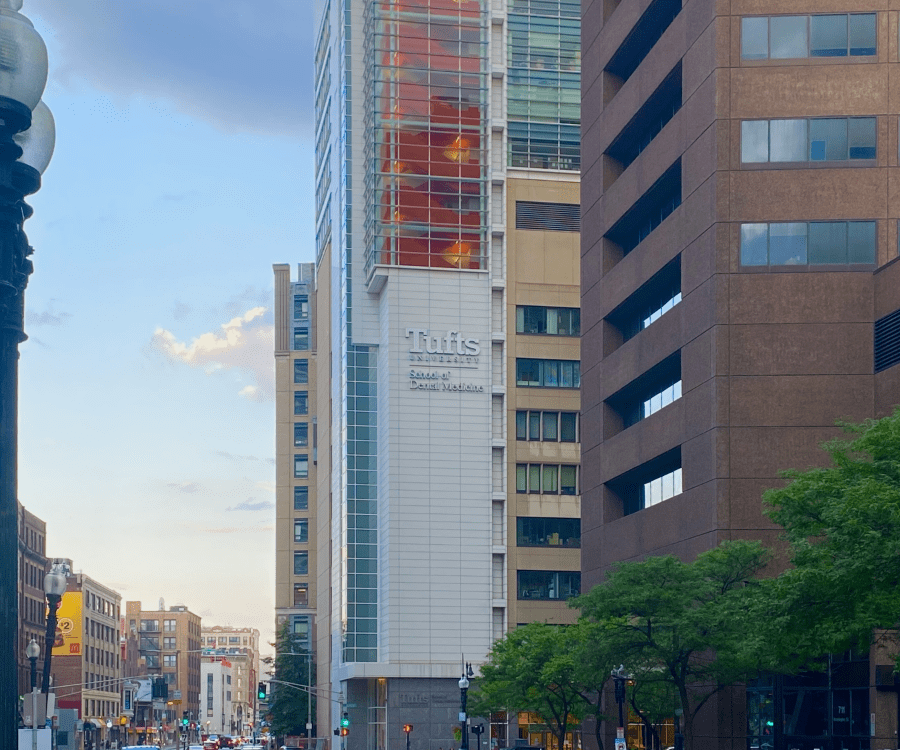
(544,91)
(430,115)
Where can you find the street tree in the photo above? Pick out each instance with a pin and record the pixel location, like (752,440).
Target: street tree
(843,527)
(294,669)
(532,668)
(688,624)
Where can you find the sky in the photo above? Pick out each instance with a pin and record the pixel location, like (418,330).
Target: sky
(182,170)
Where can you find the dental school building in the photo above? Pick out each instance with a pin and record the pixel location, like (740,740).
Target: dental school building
(444,446)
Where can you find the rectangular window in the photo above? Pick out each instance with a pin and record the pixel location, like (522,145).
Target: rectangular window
(301,370)
(301,594)
(808,243)
(548,585)
(534,425)
(301,339)
(548,321)
(301,307)
(151,626)
(548,532)
(169,660)
(169,643)
(301,498)
(170,626)
(521,425)
(643,37)
(301,402)
(648,211)
(548,373)
(661,488)
(551,426)
(547,479)
(810,140)
(301,466)
(568,427)
(301,563)
(301,530)
(301,434)
(796,37)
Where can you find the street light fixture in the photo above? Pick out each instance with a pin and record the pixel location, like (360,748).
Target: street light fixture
(463,718)
(23,75)
(55,583)
(33,653)
(619,678)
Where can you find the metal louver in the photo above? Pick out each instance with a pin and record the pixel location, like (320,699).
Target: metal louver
(887,341)
(548,217)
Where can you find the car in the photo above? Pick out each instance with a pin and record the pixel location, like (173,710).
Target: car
(225,740)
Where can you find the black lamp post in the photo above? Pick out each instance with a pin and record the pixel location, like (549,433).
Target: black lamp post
(619,677)
(477,730)
(33,652)
(463,718)
(23,156)
(54,587)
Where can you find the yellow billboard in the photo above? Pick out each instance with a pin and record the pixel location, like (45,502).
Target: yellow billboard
(68,625)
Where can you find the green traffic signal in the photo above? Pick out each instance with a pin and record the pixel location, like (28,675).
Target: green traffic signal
(345,720)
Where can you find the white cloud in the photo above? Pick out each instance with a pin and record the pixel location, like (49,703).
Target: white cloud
(253,505)
(244,343)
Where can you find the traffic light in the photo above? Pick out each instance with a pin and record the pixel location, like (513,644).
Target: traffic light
(407,728)
(185,718)
(261,691)
(345,720)
(344,731)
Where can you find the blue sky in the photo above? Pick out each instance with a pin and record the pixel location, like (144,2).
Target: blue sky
(183,155)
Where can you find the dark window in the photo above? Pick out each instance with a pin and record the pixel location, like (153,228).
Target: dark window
(887,341)
(301,339)
(651,301)
(548,585)
(549,321)
(301,434)
(649,211)
(301,402)
(650,119)
(301,530)
(647,394)
(301,466)
(548,217)
(548,373)
(301,563)
(650,483)
(301,498)
(808,243)
(548,532)
(642,38)
(301,307)
(301,370)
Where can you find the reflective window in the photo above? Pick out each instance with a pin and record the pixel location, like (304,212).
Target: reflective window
(301,498)
(547,479)
(817,139)
(301,402)
(795,37)
(301,339)
(301,563)
(659,400)
(301,530)
(548,532)
(662,488)
(301,370)
(549,321)
(813,243)
(301,466)
(548,373)
(301,434)
(548,585)
(301,306)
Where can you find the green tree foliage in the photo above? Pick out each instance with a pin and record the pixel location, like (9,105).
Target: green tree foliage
(685,624)
(294,666)
(843,527)
(533,668)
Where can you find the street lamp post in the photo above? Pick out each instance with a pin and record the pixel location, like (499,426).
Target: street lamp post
(54,587)
(619,677)
(463,718)
(33,653)
(23,75)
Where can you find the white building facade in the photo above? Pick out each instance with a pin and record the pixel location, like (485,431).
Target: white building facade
(216,686)
(413,158)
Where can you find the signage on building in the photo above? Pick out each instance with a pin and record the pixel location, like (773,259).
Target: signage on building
(450,348)
(68,625)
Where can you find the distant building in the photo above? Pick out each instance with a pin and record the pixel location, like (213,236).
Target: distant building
(32,603)
(218,684)
(169,644)
(87,663)
(241,647)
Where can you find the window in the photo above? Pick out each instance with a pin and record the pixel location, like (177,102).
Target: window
(301,370)
(300,627)
(301,434)
(301,339)
(887,341)
(548,217)
(650,392)
(149,626)
(301,530)
(301,402)
(301,594)
(795,37)
(170,625)
(548,321)
(548,373)
(169,660)
(547,479)
(301,466)
(301,498)
(808,140)
(643,37)
(301,563)
(301,306)
(808,243)
(169,643)
(649,211)
(548,532)
(548,585)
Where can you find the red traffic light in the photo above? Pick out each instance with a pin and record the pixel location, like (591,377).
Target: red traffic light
(407,728)
(344,731)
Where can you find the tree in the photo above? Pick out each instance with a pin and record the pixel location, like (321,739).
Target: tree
(294,667)
(533,668)
(843,527)
(688,624)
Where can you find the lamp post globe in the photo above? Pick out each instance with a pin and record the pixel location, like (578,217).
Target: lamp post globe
(23,75)
(33,653)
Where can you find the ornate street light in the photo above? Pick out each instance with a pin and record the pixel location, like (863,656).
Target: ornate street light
(463,718)
(55,583)
(23,75)
(33,653)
